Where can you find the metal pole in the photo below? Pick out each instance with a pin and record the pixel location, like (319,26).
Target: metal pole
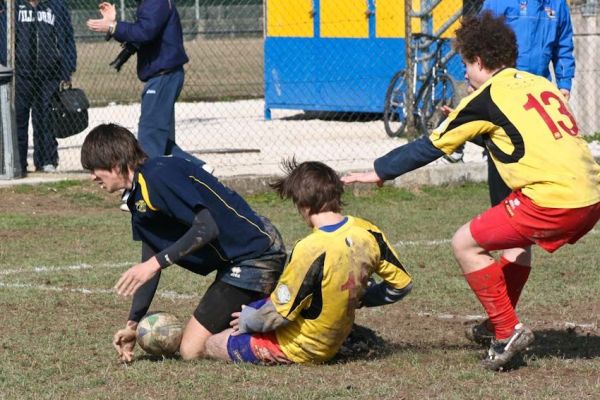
(411,132)
(197,9)
(10,44)
(11,165)
(122,10)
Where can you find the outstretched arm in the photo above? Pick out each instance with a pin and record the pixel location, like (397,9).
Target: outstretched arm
(124,339)
(203,230)
(399,161)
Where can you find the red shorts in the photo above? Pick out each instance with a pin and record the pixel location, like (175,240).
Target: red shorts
(266,348)
(518,222)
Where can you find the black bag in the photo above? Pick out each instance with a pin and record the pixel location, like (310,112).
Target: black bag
(68,112)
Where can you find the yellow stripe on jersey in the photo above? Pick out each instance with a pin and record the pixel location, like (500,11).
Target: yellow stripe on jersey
(228,206)
(322,284)
(532,137)
(145,195)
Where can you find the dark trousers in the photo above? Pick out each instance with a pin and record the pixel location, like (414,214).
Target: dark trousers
(33,95)
(156,129)
(496,186)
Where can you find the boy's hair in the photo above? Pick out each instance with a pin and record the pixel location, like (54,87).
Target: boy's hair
(311,185)
(488,38)
(110,145)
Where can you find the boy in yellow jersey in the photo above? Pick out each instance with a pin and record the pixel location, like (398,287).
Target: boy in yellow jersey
(311,311)
(534,141)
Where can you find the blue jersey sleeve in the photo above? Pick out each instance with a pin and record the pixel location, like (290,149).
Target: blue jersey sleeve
(406,158)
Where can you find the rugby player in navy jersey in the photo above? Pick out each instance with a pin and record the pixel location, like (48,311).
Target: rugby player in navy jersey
(533,139)
(183,215)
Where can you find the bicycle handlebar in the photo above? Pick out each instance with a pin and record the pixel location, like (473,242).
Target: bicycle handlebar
(420,35)
(433,38)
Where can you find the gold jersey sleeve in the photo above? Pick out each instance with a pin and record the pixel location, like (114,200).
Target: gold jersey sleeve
(532,137)
(322,285)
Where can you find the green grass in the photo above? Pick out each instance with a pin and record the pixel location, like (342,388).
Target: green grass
(219,69)
(593,137)
(55,337)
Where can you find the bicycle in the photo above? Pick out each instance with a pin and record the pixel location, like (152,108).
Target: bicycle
(438,88)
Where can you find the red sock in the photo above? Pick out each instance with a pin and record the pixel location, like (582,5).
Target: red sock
(489,286)
(516,276)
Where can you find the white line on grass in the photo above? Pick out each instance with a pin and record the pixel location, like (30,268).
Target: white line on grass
(422,242)
(445,241)
(169,294)
(166,294)
(78,267)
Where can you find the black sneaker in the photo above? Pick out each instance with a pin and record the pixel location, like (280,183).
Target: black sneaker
(480,333)
(502,351)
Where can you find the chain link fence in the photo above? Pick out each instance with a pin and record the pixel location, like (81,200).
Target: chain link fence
(265,80)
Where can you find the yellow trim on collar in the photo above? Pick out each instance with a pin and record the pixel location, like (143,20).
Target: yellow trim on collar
(145,194)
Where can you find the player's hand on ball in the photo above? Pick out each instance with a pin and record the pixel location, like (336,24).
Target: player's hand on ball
(362,177)
(124,342)
(136,276)
(235,323)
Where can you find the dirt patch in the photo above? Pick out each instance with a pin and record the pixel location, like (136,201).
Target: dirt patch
(57,198)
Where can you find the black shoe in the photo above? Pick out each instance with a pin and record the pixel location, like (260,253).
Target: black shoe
(501,352)
(480,333)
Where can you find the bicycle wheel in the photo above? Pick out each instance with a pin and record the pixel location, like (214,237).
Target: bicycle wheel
(394,109)
(442,93)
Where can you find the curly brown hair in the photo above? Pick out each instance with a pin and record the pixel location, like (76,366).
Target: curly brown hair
(312,185)
(489,38)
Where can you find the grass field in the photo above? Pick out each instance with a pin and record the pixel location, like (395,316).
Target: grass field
(63,246)
(219,69)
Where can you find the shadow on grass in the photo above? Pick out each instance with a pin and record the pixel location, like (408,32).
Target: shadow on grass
(362,343)
(567,344)
(557,343)
(151,358)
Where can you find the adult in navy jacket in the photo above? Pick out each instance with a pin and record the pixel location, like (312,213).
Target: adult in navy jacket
(158,35)
(45,55)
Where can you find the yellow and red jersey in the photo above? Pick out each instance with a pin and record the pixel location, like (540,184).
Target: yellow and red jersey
(323,283)
(532,137)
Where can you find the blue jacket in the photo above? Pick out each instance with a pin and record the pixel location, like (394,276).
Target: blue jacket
(157,30)
(544,33)
(44,43)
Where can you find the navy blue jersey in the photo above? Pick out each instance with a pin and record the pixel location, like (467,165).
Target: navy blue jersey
(44,42)
(169,191)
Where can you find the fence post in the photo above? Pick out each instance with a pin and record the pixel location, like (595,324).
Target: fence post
(10,166)
(410,119)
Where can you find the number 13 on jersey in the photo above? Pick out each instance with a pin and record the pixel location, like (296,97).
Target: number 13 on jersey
(547,101)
